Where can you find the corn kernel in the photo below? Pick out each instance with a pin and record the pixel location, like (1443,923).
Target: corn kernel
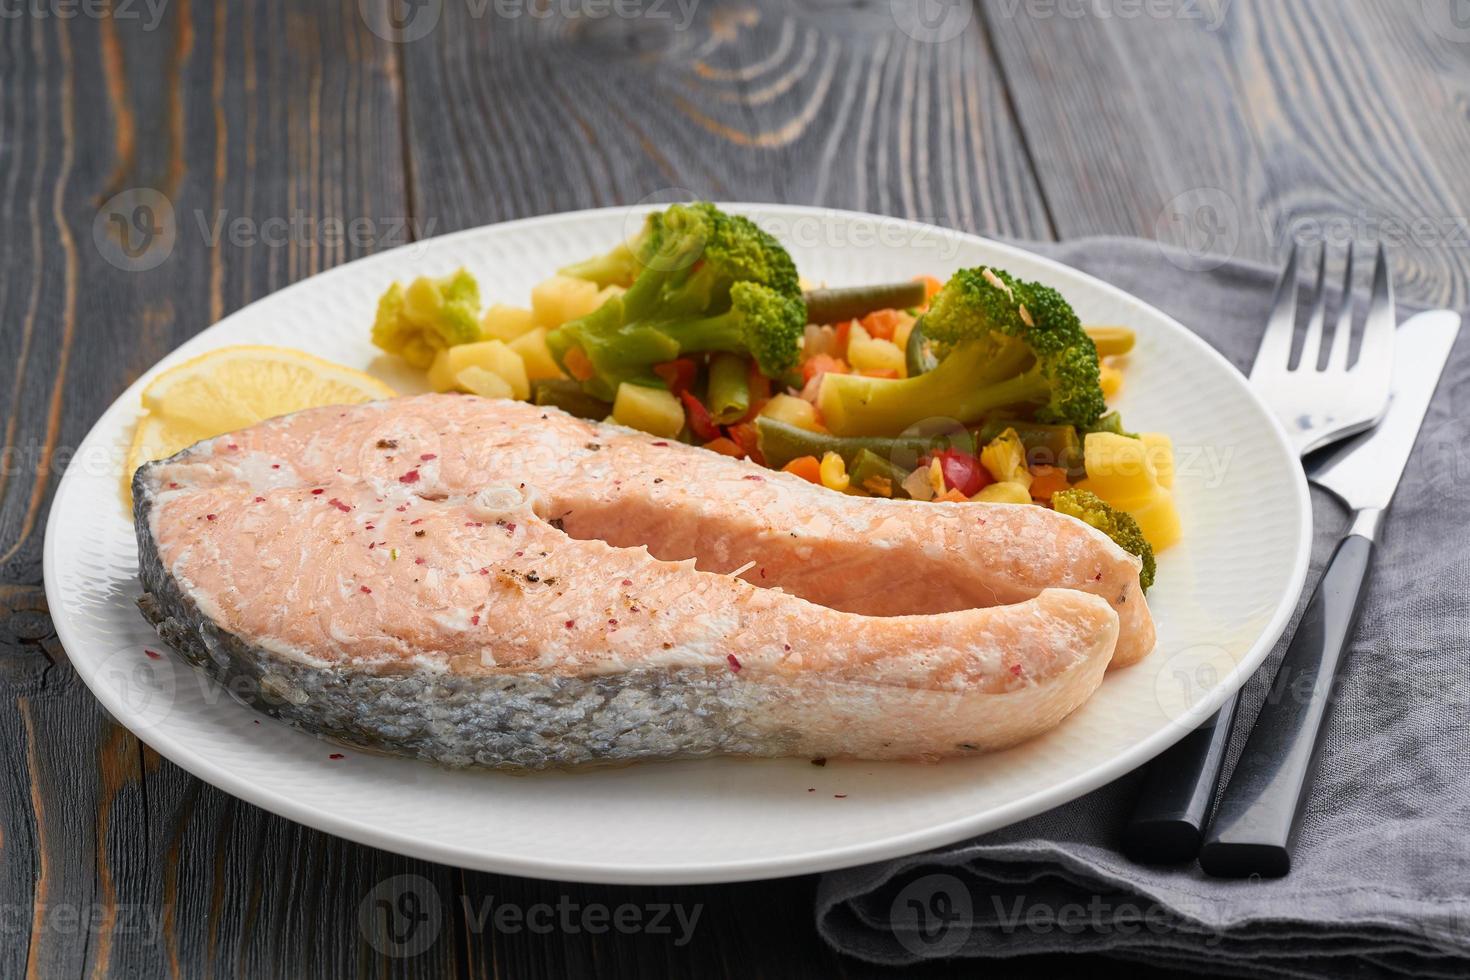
(867,353)
(793,411)
(834,472)
(1004,457)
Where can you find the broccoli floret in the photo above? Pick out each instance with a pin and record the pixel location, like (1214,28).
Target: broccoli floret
(1089,508)
(693,260)
(620,266)
(1003,343)
(761,321)
(430,315)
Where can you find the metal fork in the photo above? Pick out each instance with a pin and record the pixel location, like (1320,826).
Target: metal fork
(1322,404)
(1318,405)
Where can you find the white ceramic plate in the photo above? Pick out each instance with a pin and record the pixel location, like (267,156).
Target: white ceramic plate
(1222,599)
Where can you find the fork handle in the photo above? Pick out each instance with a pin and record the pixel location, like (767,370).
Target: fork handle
(1169,816)
(1255,825)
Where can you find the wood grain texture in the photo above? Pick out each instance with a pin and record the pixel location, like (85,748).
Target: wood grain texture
(245,126)
(829,104)
(1243,125)
(253,123)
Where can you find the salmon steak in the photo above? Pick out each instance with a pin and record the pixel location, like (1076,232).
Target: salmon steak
(490,583)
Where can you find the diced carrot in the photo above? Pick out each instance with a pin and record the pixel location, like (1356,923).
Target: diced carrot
(823,364)
(699,421)
(578,365)
(678,374)
(931,286)
(880,373)
(744,435)
(844,334)
(760,385)
(725,447)
(760,392)
(809,468)
(882,323)
(953,496)
(1047,480)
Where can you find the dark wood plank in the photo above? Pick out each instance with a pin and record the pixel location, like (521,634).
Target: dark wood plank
(116,863)
(829,104)
(1258,120)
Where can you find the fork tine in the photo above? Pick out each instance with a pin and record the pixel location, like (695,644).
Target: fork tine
(1376,352)
(1275,349)
(1312,339)
(1342,333)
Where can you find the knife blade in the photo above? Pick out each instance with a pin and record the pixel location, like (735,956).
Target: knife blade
(1365,471)
(1255,824)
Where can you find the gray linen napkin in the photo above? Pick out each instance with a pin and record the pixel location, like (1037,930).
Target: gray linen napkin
(1381,881)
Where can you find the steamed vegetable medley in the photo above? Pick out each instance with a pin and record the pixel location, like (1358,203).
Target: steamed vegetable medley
(985,388)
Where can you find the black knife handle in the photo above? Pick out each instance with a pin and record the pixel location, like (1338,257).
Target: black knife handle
(1168,820)
(1255,824)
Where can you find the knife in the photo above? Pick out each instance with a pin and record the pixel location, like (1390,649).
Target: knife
(1255,824)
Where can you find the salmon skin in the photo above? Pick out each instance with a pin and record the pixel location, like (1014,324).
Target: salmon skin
(489,583)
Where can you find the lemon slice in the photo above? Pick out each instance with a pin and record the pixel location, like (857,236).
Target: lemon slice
(235,387)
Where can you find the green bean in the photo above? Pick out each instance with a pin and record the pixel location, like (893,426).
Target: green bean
(1111,422)
(918,358)
(729,388)
(876,475)
(569,397)
(781,442)
(855,302)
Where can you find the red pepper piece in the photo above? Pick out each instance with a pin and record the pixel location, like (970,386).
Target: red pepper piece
(678,374)
(699,421)
(963,472)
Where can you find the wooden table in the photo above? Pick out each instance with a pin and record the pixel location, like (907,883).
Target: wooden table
(251,127)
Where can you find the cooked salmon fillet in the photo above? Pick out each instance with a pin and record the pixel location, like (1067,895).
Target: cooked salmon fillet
(489,583)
